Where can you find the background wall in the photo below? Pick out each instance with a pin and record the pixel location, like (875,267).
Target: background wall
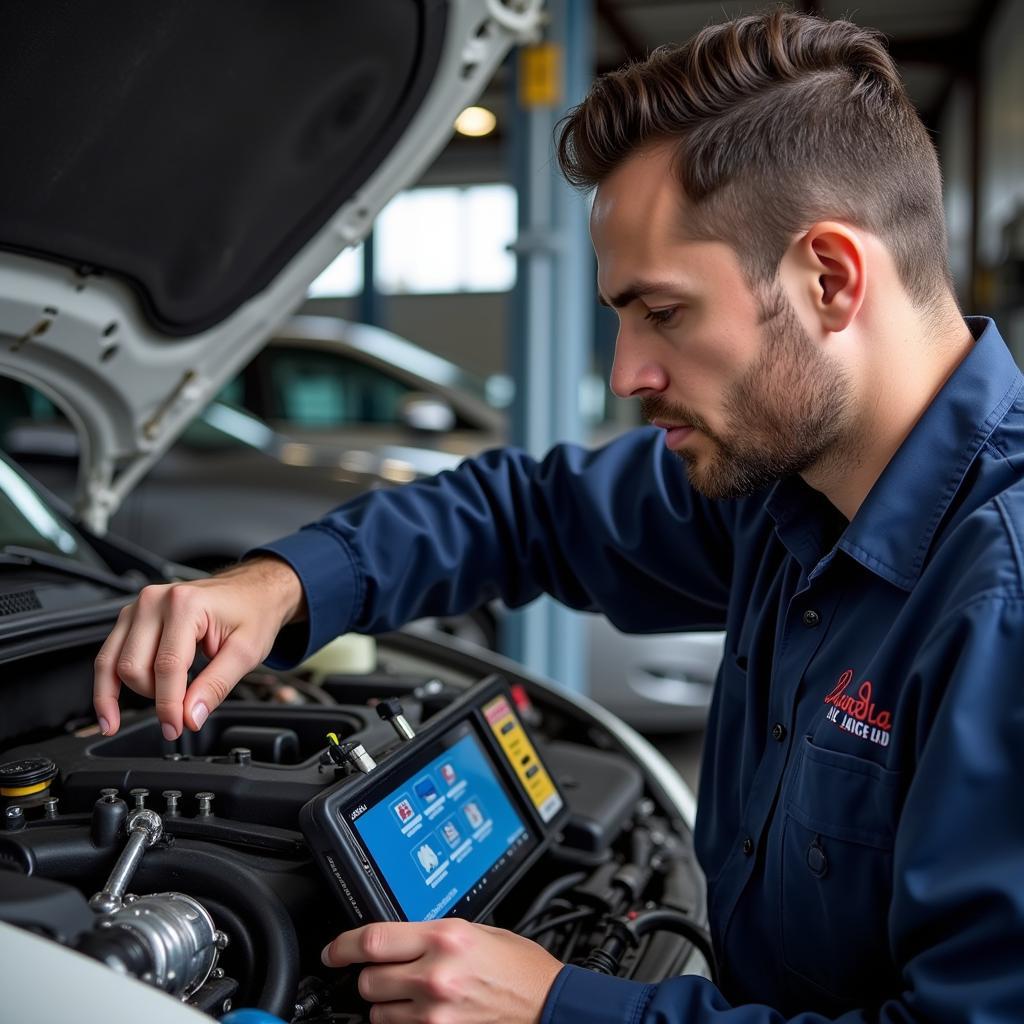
(954,145)
(472,329)
(469,329)
(1001,188)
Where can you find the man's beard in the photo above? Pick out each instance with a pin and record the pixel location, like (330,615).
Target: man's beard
(788,412)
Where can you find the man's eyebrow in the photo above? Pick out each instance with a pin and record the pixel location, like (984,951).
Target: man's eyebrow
(637,290)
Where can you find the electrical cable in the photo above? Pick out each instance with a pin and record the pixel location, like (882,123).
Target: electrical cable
(528,923)
(557,922)
(678,923)
(547,894)
(566,952)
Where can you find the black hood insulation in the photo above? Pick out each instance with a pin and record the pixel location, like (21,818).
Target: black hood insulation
(192,147)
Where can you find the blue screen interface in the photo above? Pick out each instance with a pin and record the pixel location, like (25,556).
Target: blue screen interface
(445,834)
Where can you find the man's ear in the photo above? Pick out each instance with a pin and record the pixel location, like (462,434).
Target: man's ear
(830,256)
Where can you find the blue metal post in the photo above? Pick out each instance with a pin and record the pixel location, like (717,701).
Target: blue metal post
(370,311)
(552,327)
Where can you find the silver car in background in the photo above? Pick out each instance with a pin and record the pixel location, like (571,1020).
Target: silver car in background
(327,410)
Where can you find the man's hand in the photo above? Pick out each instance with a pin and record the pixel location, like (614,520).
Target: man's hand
(447,970)
(235,616)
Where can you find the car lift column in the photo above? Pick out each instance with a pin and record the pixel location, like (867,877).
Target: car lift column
(551,332)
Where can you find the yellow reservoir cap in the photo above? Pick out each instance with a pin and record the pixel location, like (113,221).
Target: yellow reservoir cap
(24,790)
(26,776)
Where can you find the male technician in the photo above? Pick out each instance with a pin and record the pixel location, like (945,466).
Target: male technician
(769,228)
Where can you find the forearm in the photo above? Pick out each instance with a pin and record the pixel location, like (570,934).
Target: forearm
(613,530)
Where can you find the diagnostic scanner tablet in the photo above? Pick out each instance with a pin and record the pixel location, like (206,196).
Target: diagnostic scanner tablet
(446,824)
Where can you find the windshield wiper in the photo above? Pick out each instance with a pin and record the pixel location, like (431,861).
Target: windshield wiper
(15,554)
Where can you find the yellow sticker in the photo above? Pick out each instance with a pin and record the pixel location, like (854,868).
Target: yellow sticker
(540,71)
(523,758)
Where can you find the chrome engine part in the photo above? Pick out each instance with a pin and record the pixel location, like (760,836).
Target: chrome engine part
(181,941)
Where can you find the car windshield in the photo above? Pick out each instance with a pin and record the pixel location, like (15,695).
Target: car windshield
(27,521)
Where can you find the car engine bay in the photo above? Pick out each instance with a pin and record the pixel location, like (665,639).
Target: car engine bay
(185,864)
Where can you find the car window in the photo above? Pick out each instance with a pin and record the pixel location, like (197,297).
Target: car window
(27,521)
(20,403)
(205,436)
(233,393)
(309,388)
(222,426)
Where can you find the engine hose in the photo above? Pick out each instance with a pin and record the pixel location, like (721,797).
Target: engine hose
(544,927)
(210,871)
(241,952)
(640,846)
(65,854)
(605,959)
(665,920)
(547,894)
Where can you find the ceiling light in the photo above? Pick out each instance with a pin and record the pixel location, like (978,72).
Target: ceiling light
(475,122)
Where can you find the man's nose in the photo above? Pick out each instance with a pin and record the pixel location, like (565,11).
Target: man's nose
(635,372)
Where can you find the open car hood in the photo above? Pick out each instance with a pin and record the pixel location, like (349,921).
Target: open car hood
(177,176)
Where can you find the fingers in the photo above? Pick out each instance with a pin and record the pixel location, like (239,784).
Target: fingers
(405,1012)
(106,682)
(153,644)
(383,942)
(150,650)
(446,970)
(387,984)
(175,652)
(215,682)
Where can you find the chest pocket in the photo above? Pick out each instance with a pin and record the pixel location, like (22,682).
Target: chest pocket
(840,815)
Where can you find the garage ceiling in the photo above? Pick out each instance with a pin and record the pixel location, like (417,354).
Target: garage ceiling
(933,41)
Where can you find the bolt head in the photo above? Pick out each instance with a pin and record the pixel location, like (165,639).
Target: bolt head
(147,821)
(105,903)
(389,708)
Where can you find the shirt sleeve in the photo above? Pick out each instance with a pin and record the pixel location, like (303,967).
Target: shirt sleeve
(956,921)
(616,530)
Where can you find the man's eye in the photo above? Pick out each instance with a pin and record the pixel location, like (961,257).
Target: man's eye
(660,316)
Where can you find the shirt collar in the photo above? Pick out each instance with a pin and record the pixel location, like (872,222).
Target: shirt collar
(893,529)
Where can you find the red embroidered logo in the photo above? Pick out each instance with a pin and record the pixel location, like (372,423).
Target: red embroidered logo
(858,715)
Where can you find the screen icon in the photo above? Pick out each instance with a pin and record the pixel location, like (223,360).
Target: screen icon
(427,856)
(404,810)
(474,815)
(448,774)
(451,833)
(425,789)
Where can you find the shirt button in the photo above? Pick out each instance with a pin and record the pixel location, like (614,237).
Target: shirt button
(811,617)
(816,860)
(748,846)
(778,732)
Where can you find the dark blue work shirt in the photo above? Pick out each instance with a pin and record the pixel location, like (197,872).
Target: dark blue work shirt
(860,818)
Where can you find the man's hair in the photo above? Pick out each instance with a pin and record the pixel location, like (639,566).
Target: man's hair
(780,120)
